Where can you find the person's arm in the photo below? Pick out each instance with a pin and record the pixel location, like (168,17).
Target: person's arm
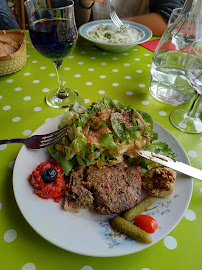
(153,21)
(82,15)
(83,10)
(165,7)
(7,20)
(160,11)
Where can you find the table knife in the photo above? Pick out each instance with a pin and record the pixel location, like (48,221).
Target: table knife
(171,163)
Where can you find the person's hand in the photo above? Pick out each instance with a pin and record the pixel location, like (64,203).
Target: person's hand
(88,3)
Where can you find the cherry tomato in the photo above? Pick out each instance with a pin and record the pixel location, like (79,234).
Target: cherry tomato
(146,223)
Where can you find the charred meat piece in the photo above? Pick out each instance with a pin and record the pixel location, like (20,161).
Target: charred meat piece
(77,196)
(105,190)
(115,188)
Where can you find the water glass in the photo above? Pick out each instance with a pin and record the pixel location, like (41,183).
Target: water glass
(174,15)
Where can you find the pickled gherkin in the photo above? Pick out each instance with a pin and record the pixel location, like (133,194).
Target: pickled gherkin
(128,228)
(138,209)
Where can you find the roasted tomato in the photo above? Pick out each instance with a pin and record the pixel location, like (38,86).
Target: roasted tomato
(146,223)
(49,180)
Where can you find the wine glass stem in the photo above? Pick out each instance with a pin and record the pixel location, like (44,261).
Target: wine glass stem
(61,93)
(195,105)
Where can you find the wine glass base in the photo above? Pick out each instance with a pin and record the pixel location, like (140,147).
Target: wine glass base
(56,101)
(180,119)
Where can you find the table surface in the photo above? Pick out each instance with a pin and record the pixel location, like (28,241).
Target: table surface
(94,73)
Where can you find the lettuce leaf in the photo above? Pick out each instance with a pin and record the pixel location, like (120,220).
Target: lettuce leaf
(122,106)
(122,132)
(65,164)
(67,118)
(118,129)
(76,107)
(164,149)
(106,140)
(147,118)
(79,143)
(104,103)
(107,102)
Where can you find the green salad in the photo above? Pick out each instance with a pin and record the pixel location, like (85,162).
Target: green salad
(105,133)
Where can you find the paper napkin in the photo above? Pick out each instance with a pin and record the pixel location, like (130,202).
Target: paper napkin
(150,45)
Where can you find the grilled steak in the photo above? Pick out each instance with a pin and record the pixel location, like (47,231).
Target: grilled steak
(105,190)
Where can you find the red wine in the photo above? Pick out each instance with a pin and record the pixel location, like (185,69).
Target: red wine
(53,38)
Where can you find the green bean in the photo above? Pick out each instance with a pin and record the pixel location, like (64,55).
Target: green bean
(138,209)
(124,226)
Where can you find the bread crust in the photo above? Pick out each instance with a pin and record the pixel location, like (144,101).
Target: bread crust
(7,40)
(7,46)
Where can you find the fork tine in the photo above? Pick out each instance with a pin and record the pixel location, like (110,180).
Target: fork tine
(47,140)
(61,129)
(116,19)
(53,137)
(55,133)
(40,141)
(54,140)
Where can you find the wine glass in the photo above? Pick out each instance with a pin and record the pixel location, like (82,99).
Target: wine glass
(190,121)
(53,34)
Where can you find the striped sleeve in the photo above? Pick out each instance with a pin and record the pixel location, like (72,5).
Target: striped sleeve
(7,21)
(165,7)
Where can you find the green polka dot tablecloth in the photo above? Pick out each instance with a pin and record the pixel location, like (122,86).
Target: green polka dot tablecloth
(94,73)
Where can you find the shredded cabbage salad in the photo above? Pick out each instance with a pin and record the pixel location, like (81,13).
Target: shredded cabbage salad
(111,34)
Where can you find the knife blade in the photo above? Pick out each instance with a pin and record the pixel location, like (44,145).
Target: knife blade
(171,163)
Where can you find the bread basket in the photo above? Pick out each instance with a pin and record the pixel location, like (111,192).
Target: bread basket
(14,62)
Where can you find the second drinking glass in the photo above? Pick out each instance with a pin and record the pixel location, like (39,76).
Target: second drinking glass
(190,121)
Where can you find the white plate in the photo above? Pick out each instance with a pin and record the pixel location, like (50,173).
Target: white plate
(86,233)
(145,34)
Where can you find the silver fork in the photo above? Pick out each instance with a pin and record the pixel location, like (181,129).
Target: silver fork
(40,141)
(114,16)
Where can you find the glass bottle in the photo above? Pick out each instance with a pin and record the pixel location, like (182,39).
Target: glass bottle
(168,83)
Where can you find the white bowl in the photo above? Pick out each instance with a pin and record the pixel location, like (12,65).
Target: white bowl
(145,34)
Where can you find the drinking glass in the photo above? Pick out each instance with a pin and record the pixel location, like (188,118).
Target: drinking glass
(168,82)
(174,15)
(53,33)
(190,121)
